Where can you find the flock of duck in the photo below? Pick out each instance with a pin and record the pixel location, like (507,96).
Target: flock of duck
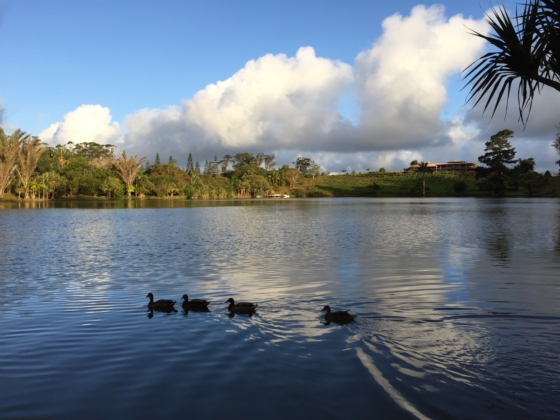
(167,305)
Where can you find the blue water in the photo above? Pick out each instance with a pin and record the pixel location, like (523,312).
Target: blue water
(457,304)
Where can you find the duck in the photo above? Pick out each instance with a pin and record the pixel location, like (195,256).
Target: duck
(161,304)
(337,316)
(240,306)
(194,303)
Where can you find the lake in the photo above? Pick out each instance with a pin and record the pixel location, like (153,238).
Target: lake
(457,303)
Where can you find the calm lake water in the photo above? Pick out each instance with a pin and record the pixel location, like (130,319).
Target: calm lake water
(457,304)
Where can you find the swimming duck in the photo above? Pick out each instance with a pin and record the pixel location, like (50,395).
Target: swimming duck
(337,316)
(161,304)
(194,303)
(240,306)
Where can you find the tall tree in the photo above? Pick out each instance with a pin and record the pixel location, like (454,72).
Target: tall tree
(292,175)
(314,169)
(9,147)
(423,169)
(99,155)
(128,169)
(225,162)
(190,166)
(158,161)
(302,164)
(556,142)
(499,154)
(269,161)
(28,154)
(259,158)
(197,168)
(526,52)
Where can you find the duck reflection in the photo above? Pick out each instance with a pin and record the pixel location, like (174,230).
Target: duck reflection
(163,310)
(242,314)
(187,309)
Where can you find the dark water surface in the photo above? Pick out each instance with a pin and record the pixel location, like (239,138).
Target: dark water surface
(458,304)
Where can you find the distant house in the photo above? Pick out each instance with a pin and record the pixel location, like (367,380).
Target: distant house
(454,166)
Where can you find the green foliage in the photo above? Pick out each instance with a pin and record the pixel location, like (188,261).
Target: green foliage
(556,142)
(314,170)
(189,192)
(119,193)
(241,159)
(525,53)
(499,153)
(460,187)
(94,152)
(382,170)
(249,169)
(190,166)
(302,164)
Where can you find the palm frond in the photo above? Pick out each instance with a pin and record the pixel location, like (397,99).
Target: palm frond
(526,52)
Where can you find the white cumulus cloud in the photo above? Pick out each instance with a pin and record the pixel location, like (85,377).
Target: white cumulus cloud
(403,77)
(291,105)
(85,124)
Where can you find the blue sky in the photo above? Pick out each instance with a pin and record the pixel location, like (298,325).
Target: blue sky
(138,65)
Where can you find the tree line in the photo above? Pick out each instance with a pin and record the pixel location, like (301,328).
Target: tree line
(30,169)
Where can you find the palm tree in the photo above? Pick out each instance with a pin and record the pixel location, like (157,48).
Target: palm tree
(528,52)
(9,146)
(29,153)
(128,168)
(423,169)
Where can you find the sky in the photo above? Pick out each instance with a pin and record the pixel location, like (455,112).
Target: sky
(353,85)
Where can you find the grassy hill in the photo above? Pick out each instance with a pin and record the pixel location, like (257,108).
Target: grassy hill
(400,184)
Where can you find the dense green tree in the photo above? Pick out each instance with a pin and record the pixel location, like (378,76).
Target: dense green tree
(251,185)
(128,168)
(9,147)
(100,155)
(556,142)
(197,168)
(190,166)
(249,169)
(29,152)
(158,161)
(381,170)
(499,154)
(302,164)
(292,175)
(241,159)
(526,52)
(314,169)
